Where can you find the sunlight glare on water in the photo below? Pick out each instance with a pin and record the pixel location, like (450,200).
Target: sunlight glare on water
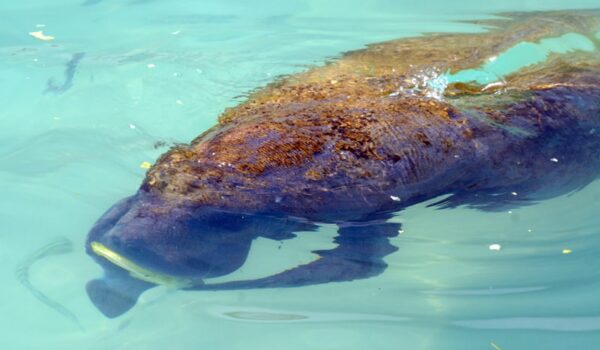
(148,74)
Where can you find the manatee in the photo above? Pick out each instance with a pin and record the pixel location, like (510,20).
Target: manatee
(488,120)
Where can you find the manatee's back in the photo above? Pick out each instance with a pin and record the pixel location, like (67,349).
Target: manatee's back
(405,117)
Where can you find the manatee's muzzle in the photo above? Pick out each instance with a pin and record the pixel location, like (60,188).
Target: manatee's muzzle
(139,272)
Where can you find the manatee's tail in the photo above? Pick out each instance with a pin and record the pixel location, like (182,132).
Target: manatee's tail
(116,293)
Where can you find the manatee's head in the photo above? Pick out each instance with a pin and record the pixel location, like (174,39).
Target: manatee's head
(144,240)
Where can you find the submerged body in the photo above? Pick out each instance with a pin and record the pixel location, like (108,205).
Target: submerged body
(353,142)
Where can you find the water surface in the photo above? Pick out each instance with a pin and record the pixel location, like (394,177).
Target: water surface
(123,80)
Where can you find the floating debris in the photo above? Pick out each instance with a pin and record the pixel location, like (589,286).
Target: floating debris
(41,36)
(159,144)
(495,247)
(514,193)
(567,251)
(176,32)
(395,198)
(131,126)
(151,65)
(179,102)
(145,165)
(496,347)
(555,160)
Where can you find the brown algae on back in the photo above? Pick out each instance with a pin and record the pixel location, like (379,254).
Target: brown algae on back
(334,122)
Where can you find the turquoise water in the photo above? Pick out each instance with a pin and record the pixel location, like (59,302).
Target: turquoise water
(157,72)
(522,55)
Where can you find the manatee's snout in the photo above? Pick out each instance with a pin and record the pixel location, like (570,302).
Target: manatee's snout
(141,236)
(118,290)
(142,242)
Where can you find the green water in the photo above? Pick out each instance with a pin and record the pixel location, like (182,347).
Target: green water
(160,71)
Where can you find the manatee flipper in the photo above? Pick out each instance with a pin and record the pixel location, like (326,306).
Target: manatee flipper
(359,254)
(114,295)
